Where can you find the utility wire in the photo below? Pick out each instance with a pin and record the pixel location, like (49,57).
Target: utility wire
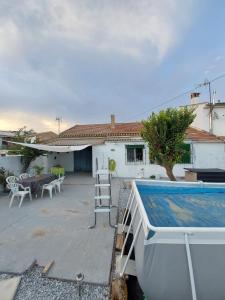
(174,98)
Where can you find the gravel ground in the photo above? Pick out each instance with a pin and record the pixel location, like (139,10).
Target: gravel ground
(35,287)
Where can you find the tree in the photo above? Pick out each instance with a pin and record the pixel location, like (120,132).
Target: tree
(28,154)
(165,133)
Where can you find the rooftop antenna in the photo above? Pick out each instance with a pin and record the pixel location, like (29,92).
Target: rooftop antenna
(59,121)
(208,83)
(213,97)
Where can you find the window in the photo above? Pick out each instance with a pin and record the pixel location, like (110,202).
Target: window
(134,154)
(186,157)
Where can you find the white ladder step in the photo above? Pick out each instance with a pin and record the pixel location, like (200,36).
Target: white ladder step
(102,209)
(102,197)
(102,185)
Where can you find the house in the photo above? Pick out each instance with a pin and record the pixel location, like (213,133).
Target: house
(42,137)
(122,143)
(209,117)
(5,136)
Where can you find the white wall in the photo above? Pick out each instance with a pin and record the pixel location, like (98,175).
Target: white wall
(41,161)
(205,155)
(66,160)
(202,119)
(219,121)
(209,155)
(11,163)
(117,151)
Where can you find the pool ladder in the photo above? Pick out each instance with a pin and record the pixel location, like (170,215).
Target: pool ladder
(103,184)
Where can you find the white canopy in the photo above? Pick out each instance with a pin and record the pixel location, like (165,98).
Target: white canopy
(51,148)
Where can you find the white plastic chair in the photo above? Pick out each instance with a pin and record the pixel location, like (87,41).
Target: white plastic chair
(58,182)
(14,188)
(48,187)
(11,179)
(24,176)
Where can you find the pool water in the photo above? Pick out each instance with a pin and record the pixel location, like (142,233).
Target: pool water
(182,206)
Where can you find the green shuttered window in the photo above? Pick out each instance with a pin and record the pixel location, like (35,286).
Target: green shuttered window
(134,154)
(186,157)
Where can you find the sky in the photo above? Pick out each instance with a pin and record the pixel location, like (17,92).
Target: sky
(82,60)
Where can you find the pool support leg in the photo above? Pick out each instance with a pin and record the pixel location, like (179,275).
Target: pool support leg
(190,267)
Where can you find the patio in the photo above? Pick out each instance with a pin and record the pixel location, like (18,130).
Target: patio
(57,229)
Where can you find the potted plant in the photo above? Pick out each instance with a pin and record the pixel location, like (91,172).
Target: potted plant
(57,170)
(38,169)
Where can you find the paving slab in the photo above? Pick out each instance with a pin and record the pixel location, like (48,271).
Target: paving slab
(57,230)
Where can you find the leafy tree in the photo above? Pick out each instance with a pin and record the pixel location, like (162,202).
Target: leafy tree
(28,154)
(165,133)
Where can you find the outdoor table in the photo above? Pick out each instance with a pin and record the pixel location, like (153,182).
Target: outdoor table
(36,182)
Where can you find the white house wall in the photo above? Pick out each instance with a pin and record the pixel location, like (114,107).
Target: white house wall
(209,155)
(201,120)
(205,155)
(50,160)
(117,151)
(11,163)
(219,121)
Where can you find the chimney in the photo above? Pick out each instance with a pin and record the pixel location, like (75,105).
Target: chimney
(113,121)
(194,98)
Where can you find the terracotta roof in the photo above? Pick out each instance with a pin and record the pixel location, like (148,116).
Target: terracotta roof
(45,136)
(196,134)
(103,130)
(127,130)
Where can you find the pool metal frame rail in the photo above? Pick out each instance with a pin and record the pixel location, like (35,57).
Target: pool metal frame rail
(135,200)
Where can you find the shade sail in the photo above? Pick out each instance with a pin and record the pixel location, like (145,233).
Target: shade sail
(52,148)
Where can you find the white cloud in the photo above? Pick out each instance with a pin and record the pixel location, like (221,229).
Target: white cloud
(10,41)
(81,58)
(134,28)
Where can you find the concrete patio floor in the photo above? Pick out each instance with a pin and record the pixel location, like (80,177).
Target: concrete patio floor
(57,229)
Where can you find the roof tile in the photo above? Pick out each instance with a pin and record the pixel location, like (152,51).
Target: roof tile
(127,129)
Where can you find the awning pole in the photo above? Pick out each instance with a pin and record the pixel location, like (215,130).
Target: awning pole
(190,267)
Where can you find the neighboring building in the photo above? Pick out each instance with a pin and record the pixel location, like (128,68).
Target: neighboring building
(123,143)
(213,122)
(4,137)
(42,137)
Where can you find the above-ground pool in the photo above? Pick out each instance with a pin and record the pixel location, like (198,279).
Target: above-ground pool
(179,239)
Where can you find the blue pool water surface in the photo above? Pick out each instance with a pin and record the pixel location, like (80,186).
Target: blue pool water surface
(168,206)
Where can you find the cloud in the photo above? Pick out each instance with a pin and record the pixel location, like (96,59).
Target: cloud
(126,27)
(83,59)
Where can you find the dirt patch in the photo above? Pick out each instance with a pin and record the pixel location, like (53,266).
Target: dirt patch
(73,211)
(45,211)
(85,203)
(39,232)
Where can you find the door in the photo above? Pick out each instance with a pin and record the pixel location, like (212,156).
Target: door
(83,160)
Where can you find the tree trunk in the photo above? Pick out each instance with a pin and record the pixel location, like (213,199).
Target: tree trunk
(169,172)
